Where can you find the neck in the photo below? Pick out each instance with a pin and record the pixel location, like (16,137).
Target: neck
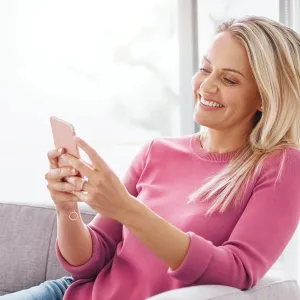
(208,147)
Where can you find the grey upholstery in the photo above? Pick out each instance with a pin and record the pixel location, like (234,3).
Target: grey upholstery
(274,286)
(27,240)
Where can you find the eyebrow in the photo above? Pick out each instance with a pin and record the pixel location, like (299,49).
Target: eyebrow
(225,69)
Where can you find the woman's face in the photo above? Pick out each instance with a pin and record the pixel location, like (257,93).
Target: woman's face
(236,89)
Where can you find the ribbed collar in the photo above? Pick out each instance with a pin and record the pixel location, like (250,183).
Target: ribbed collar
(209,156)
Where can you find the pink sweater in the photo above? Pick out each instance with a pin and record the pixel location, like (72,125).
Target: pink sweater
(234,249)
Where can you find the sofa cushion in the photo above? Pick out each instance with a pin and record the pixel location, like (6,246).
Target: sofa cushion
(275,285)
(203,292)
(27,246)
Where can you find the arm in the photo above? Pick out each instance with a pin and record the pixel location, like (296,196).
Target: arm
(100,237)
(97,241)
(168,242)
(263,231)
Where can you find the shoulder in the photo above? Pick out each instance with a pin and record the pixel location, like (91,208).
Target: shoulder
(162,147)
(284,164)
(169,144)
(289,156)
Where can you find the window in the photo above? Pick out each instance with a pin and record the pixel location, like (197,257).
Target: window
(211,13)
(108,67)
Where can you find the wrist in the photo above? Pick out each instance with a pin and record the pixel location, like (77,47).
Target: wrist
(135,210)
(70,212)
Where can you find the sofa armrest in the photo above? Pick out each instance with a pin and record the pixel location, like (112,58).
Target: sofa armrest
(203,292)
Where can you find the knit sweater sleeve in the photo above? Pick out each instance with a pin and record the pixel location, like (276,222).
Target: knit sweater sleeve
(261,234)
(106,233)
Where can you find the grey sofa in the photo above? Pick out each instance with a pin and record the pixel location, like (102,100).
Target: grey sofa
(27,240)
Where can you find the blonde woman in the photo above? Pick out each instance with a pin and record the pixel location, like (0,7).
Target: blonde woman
(215,207)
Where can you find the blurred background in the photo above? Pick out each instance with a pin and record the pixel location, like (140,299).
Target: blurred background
(120,71)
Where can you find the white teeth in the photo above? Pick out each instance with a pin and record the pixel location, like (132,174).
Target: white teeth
(208,103)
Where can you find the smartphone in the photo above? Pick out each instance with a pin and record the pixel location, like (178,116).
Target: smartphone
(63,135)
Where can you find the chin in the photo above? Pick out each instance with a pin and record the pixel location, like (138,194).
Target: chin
(200,120)
(198,115)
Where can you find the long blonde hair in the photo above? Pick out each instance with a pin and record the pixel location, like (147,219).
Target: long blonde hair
(273,50)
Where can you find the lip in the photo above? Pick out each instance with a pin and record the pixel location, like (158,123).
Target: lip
(211,100)
(211,108)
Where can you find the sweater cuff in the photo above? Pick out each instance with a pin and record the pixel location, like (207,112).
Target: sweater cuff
(89,268)
(197,259)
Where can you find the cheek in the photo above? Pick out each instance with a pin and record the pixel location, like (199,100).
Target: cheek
(233,99)
(196,82)
(238,101)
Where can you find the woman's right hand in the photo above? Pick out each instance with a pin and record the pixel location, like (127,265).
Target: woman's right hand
(60,190)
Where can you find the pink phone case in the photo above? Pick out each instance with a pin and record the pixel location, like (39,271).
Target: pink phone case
(63,136)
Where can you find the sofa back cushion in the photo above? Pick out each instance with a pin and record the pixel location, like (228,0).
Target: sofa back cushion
(27,246)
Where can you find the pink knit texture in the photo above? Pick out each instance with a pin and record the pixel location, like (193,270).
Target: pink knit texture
(236,248)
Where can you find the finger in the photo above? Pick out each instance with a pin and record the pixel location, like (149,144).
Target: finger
(90,165)
(82,195)
(52,157)
(61,197)
(61,186)
(80,165)
(95,158)
(77,182)
(59,173)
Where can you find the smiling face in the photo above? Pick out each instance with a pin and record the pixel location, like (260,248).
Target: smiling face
(225,76)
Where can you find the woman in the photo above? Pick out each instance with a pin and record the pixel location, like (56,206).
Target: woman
(215,207)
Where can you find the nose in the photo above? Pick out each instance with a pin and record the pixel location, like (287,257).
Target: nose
(203,85)
(208,85)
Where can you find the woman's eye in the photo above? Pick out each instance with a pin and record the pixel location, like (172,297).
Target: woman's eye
(226,79)
(203,69)
(229,81)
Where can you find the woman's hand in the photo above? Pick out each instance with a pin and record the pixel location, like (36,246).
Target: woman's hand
(61,192)
(103,191)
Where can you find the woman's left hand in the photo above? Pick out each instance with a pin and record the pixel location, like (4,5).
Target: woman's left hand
(103,191)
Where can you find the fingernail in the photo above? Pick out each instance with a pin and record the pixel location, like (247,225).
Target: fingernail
(73,171)
(60,150)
